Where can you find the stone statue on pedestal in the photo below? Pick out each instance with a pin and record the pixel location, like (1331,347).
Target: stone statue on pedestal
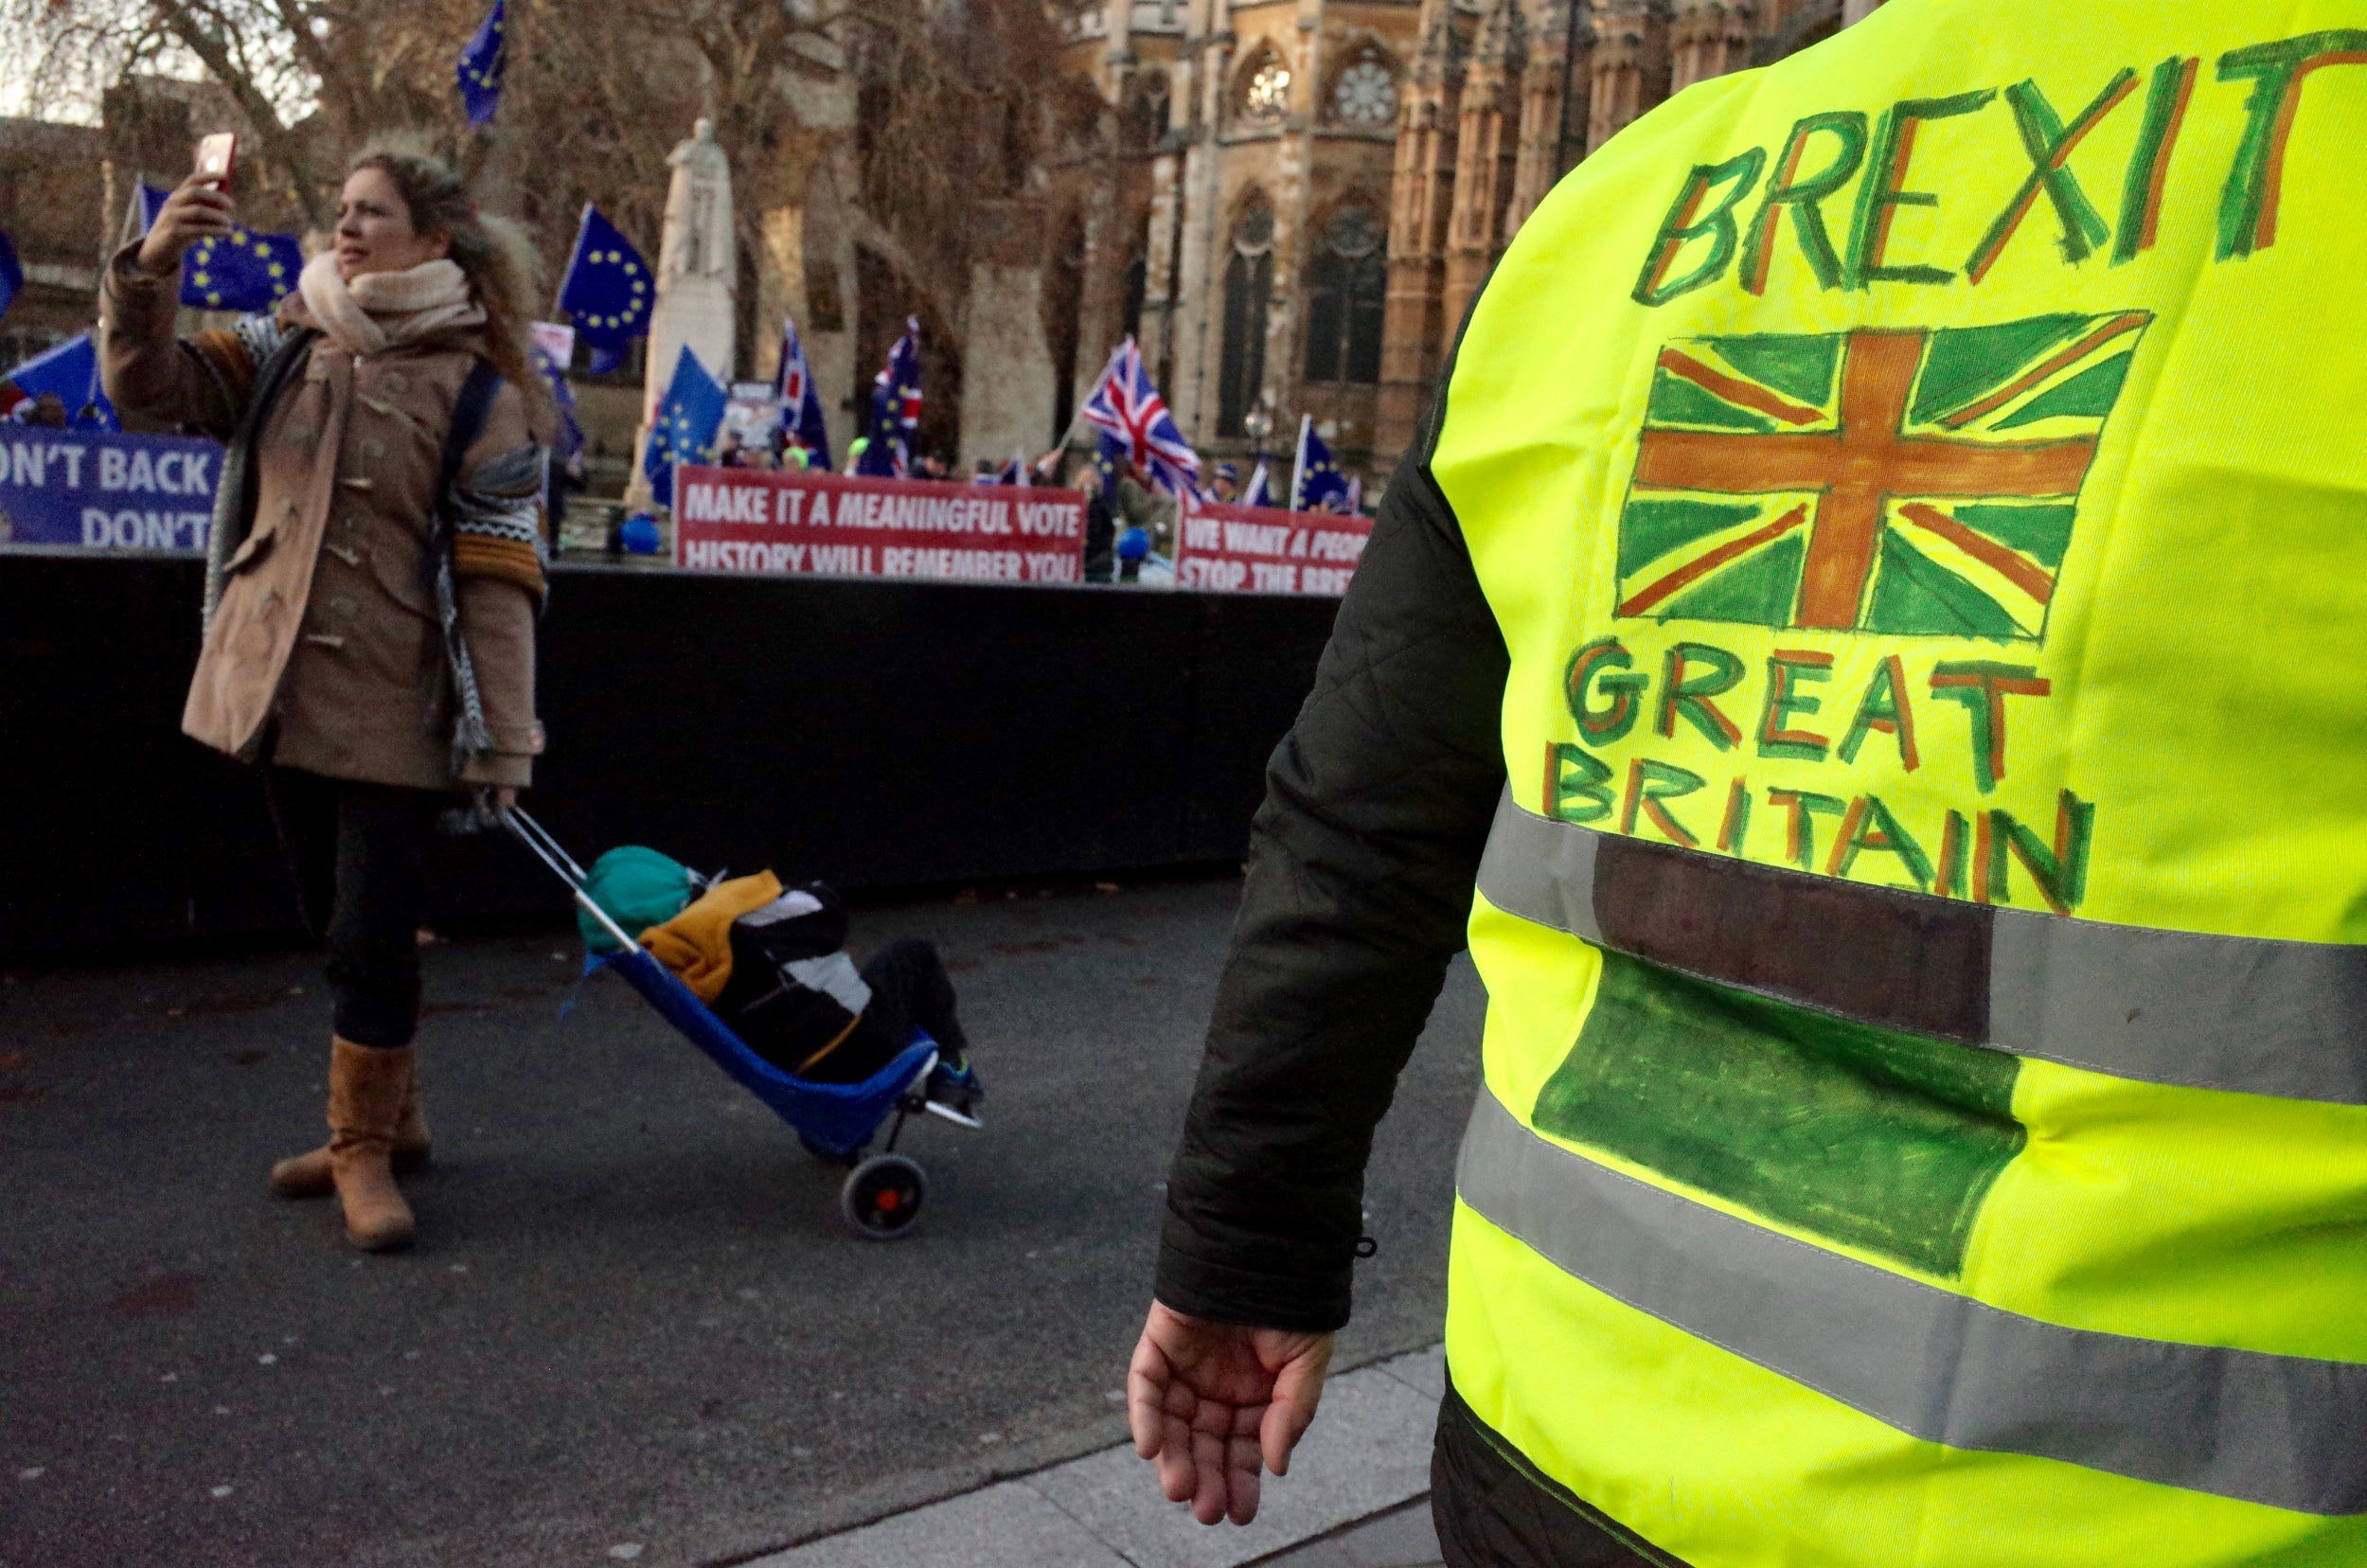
(697,274)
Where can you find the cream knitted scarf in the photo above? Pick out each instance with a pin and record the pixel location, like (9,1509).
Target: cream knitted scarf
(381,311)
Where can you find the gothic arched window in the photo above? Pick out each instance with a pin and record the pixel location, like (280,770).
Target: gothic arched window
(1137,293)
(1262,98)
(1346,296)
(1147,111)
(1248,291)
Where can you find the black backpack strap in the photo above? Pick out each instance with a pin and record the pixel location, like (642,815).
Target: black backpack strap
(470,736)
(468,412)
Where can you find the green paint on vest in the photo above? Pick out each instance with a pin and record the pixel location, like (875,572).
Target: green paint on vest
(1914,596)
(1870,1137)
(1757,590)
(1677,401)
(1652,528)
(1965,361)
(2041,532)
(2090,395)
(1800,367)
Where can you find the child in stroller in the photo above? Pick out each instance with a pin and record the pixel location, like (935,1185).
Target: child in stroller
(830,1049)
(799,1000)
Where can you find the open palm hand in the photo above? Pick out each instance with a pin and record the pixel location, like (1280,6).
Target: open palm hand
(1209,1401)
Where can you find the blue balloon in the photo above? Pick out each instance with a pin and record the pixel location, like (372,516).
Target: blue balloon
(639,534)
(1133,544)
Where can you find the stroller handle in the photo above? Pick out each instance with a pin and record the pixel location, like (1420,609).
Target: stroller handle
(549,852)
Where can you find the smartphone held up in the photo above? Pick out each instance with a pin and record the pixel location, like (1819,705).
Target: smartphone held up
(218,158)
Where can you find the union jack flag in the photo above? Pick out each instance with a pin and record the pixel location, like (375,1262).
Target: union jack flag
(1907,482)
(1135,420)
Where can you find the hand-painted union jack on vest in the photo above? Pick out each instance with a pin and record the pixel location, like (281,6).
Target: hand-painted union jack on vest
(1913,483)
(1126,404)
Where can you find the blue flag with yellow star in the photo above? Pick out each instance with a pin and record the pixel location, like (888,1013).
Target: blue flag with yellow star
(481,64)
(608,291)
(1259,492)
(895,410)
(1315,479)
(245,271)
(153,199)
(685,425)
(11,275)
(569,437)
(71,371)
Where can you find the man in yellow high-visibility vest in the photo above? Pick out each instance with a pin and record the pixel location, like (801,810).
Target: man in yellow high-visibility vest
(1879,616)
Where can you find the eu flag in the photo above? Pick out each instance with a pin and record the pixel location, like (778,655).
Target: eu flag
(569,440)
(686,426)
(895,409)
(1260,490)
(607,292)
(71,371)
(152,200)
(1315,479)
(481,66)
(245,271)
(12,275)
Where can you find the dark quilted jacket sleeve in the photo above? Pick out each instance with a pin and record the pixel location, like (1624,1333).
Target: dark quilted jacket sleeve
(1363,860)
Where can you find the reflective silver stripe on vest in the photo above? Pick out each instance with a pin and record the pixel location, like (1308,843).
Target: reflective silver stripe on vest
(2245,1014)
(2283,1431)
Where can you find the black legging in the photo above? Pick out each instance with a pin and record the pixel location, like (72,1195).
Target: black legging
(359,854)
(909,991)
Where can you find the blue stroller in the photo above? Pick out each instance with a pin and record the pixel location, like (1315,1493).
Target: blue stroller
(882,1195)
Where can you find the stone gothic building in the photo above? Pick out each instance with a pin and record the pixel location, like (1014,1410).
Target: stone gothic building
(1292,201)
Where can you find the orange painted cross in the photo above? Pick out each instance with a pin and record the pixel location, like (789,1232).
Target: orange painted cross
(1856,470)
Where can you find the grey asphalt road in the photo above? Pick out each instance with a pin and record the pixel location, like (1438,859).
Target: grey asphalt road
(634,1331)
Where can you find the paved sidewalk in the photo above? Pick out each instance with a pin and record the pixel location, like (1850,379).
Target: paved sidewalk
(1402,1537)
(1367,1454)
(634,1329)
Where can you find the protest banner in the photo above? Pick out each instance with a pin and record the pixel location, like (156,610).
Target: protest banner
(103,490)
(756,519)
(1262,550)
(752,414)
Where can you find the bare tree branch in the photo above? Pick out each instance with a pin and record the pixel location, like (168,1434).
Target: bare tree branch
(215,51)
(956,105)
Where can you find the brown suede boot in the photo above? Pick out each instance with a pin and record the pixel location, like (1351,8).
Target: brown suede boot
(365,1089)
(306,1175)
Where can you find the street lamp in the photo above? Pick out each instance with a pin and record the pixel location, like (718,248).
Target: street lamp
(1257,424)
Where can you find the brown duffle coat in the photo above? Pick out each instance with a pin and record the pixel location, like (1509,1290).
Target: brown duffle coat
(325,651)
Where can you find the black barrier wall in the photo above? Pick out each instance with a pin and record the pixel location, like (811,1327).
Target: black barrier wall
(875,734)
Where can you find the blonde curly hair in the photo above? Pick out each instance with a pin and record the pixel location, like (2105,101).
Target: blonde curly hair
(496,254)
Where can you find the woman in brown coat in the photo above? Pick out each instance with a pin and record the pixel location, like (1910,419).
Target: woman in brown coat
(372,591)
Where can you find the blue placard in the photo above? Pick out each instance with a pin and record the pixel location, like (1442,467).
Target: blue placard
(103,489)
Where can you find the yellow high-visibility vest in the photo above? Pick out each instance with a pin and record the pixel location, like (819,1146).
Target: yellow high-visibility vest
(1923,489)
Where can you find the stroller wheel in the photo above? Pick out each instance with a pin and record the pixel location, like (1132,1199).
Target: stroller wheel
(881,1197)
